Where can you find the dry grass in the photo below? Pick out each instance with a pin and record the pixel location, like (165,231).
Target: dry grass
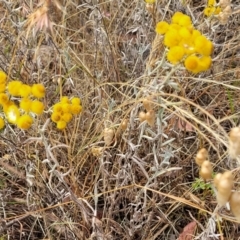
(70,184)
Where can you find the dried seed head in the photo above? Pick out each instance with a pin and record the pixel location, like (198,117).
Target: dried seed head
(235,204)
(217,179)
(234,142)
(224,3)
(206,170)
(224,187)
(108,135)
(147,104)
(228,10)
(142,116)
(97,151)
(202,155)
(150,8)
(224,15)
(150,117)
(124,124)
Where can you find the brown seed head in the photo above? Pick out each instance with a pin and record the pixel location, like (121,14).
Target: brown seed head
(147,104)
(206,170)
(142,116)
(217,179)
(150,117)
(108,135)
(234,142)
(124,124)
(202,155)
(235,204)
(224,185)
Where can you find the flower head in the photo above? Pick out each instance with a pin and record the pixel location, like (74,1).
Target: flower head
(24,122)
(65,99)
(203,45)
(12,114)
(176,17)
(172,38)
(25,104)
(38,90)
(37,107)
(76,100)
(61,125)
(55,117)
(66,107)
(191,63)
(57,107)
(64,110)
(175,54)
(67,117)
(185,21)
(76,109)
(162,27)
(14,87)
(24,90)
(185,33)
(205,63)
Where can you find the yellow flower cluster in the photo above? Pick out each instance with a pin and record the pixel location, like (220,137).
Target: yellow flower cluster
(64,110)
(26,102)
(212,8)
(185,43)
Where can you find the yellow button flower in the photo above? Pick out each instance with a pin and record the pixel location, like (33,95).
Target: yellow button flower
(175,54)
(188,46)
(65,99)
(195,34)
(37,107)
(172,38)
(174,26)
(203,45)
(176,17)
(76,100)
(25,104)
(25,90)
(7,105)
(162,27)
(208,49)
(76,109)
(185,21)
(2,123)
(14,87)
(55,117)
(66,107)
(38,90)
(57,108)
(24,122)
(205,63)
(66,117)
(61,125)
(185,33)
(12,114)
(191,63)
